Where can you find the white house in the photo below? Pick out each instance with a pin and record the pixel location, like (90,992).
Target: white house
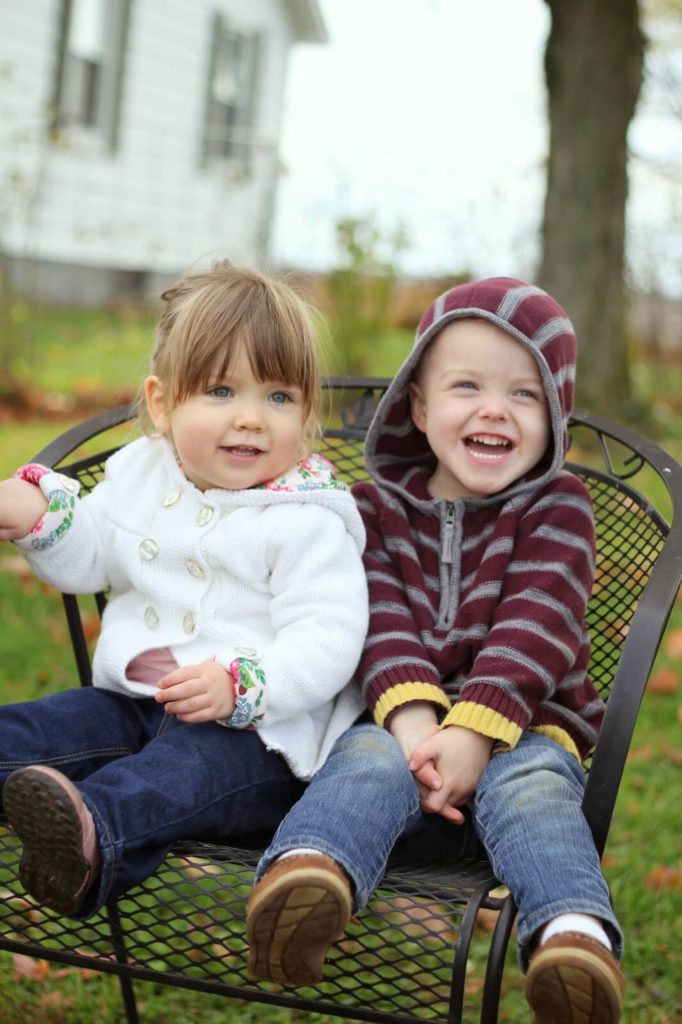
(139,136)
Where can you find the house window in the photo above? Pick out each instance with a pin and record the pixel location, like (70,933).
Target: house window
(229,127)
(92,42)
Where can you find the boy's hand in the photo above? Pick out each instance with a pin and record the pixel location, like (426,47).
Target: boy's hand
(197,693)
(21,506)
(411,725)
(459,756)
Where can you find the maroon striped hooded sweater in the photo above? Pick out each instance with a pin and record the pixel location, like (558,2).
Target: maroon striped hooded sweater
(478,605)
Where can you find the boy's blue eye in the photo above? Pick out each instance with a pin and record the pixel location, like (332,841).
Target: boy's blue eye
(527,393)
(467,384)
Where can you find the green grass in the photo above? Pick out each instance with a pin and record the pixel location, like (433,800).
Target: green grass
(95,359)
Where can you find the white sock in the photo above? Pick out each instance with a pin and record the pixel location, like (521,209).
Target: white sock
(297,853)
(576,923)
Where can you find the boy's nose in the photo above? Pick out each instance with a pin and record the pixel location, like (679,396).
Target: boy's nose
(493,407)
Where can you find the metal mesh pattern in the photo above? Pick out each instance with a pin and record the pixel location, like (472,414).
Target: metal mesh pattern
(405,958)
(187,921)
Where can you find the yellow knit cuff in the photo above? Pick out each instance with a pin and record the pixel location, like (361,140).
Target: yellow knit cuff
(485,721)
(407,693)
(560,736)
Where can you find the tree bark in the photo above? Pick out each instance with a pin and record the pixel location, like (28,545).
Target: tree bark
(593,69)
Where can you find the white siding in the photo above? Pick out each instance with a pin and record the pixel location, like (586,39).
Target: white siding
(149,205)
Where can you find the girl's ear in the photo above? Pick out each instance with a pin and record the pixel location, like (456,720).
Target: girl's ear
(156,405)
(417,407)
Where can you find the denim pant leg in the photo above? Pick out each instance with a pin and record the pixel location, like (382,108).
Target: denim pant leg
(75,731)
(354,808)
(529,817)
(189,781)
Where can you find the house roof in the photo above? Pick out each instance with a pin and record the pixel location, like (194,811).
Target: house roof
(307,19)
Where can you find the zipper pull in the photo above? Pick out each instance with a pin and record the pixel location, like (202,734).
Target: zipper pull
(448,534)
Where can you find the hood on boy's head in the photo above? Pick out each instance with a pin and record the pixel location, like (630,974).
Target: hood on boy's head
(534,318)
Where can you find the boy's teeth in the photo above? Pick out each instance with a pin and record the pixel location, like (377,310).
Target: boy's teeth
(492,441)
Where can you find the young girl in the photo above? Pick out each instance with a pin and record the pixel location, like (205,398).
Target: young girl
(237,604)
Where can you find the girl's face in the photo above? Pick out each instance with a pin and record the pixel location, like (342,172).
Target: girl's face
(237,432)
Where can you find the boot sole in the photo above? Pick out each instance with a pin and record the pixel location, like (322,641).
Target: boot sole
(52,868)
(292,923)
(567,986)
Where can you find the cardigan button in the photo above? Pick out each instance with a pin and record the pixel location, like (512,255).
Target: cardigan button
(148,549)
(171,499)
(205,516)
(194,569)
(151,617)
(246,652)
(189,622)
(69,485)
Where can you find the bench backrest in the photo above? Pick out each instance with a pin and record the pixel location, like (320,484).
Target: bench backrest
(636,489)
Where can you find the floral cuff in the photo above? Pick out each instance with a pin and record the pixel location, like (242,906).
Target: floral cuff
(60,492)
(248,680)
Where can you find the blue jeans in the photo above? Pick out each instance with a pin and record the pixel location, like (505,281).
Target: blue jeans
(147,778)
(527,816)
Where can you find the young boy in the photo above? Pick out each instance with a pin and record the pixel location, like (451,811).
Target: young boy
(480,560)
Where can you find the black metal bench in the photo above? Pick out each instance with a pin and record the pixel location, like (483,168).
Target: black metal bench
(405,958)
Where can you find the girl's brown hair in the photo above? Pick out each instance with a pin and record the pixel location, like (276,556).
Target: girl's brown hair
(212,315)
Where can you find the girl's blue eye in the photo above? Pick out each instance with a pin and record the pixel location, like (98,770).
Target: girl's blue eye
(280,397)
(220,392)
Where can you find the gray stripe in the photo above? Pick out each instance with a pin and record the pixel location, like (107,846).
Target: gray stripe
(549,330)
(488,589)
(517,658)
(395,634)
(502,683)
(477,631)
(555,567)
(567,539)
(513,299)
(545,600)
(380,666)
(564,501)
(478,538)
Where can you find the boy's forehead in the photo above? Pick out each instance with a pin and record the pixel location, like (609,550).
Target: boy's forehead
(472,339)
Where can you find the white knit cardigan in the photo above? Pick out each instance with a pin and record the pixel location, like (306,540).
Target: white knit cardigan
(274,575)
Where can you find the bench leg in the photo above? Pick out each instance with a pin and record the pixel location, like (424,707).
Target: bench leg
(495,966)
(128,995)
(125,982)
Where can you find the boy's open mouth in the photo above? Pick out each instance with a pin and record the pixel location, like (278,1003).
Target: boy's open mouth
(488,446)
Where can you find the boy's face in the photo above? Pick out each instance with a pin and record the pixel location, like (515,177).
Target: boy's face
(479,399)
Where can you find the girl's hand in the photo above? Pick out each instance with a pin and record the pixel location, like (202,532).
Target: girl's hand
(197,693)
(21,506)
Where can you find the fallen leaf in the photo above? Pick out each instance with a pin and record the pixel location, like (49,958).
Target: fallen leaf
(647,753)
(663,681)
(672,754)
(91,625)
(486,920)
(663,877)
(673,644)
(29,967)
(54,1000)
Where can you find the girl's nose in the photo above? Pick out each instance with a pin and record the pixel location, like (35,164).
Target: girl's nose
(248,417)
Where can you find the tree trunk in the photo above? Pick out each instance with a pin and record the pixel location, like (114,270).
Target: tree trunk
(593,68)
